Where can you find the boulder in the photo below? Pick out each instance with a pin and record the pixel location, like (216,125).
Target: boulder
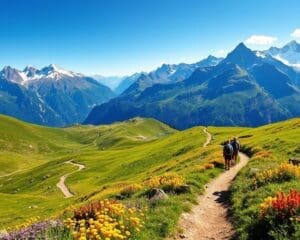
(157,194)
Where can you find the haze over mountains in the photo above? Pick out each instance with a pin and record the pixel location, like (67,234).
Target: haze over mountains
(246,88)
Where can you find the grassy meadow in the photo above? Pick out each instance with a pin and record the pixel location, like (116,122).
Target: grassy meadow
(269,146)
(130,153)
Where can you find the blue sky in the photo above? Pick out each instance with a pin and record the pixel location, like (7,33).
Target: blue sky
(116,37)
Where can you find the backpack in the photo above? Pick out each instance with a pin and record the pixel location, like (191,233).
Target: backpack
(227,149)
(235,145)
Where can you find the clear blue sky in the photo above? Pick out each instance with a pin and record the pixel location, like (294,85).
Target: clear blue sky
(123,36)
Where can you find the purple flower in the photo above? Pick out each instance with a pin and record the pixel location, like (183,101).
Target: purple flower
(38,230)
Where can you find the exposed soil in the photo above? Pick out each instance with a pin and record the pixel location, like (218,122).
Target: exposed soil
(210,219)
(61,184)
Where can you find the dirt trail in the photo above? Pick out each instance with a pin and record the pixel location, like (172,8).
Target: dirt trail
(209,219)
(208,139)
(61,184)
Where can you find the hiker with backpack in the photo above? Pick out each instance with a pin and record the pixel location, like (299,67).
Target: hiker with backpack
(236,147)
(227,154)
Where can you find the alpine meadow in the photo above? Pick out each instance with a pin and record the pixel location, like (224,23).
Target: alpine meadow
(150,120)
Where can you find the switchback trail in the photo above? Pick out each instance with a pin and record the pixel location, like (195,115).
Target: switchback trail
(61,184)
(209,219)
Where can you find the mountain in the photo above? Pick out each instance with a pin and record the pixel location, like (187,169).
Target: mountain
(110,81)
(168,73)
(49,96)
(289,54)
(16,100)
(126,82)
(243,89)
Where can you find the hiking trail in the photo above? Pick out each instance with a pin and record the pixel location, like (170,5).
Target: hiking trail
(209,219)
(208,139)
(61,184)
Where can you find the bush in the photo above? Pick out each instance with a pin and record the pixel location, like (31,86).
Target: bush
(284,172)
(168,181)
(218,163)
(105,220)
(208,165)
(280,215)
(131,189)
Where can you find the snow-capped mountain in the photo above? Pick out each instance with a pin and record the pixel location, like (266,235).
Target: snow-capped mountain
(169,73)
(50,95)
(289,54)
(31,74)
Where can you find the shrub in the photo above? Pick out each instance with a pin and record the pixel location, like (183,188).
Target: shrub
(168,181)
(283,172)
(280,215)
(203,167)
(105,220)
(208,165)
(198,168)
(218,163)
(129,190)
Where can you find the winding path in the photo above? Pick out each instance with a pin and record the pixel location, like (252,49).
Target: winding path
(61,184)
(209,220)
(208,139)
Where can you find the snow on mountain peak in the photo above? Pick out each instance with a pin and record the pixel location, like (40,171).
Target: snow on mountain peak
(289,54)
(32,74)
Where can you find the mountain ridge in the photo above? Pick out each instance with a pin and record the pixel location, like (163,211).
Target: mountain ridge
(54,96)
(202,98)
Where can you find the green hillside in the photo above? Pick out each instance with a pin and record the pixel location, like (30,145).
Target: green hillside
(114,156)
(270,146)
(33,158)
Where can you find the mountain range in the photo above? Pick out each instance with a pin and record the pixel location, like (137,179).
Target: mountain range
(49,96)
(288,54)
(247,88)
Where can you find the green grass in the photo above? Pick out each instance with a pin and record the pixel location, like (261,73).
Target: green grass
(124,153)
(279,142)
(114,156)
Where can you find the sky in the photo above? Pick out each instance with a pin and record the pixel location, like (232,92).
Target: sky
(120,37)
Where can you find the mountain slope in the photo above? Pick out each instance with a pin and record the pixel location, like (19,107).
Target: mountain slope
(126,82)
(18,101)
(168,73)
(225,94)
(289,54)
(49,96)
(147,149)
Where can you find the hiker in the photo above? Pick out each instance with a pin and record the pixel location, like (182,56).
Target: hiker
(236,148)
(227,154)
